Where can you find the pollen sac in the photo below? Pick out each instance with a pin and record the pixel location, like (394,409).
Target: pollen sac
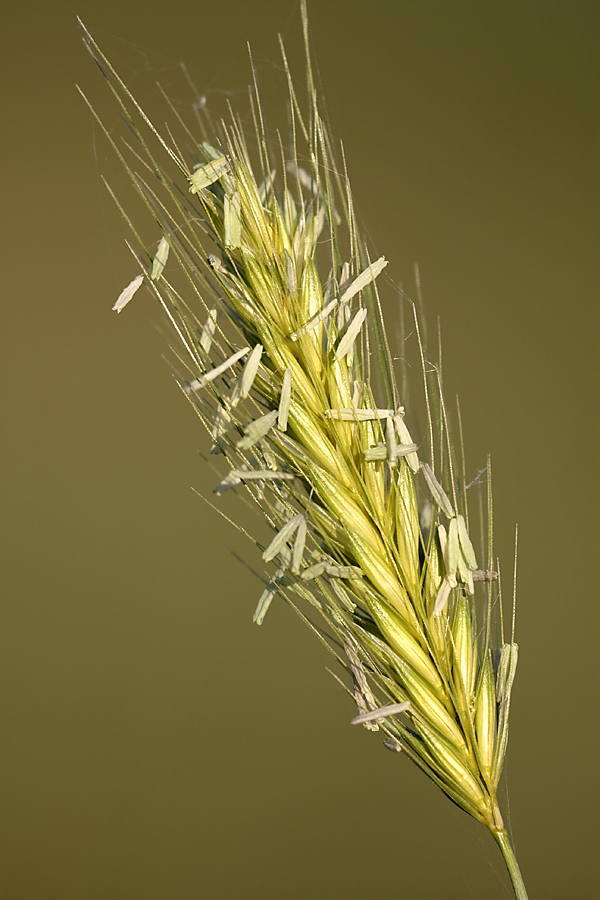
(405,439)
(205,175)
(365,278)
(160,260)
(465,543)
(452,547)
(440,498)
(127,293)
(257,430)
(206,338)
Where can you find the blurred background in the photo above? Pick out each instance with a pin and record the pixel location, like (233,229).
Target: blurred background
(155,744)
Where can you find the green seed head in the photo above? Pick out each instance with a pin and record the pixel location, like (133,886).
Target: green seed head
(283,352)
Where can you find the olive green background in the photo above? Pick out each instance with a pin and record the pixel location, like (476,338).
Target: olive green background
(155,744)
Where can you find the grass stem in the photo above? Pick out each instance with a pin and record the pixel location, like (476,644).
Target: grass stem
(511,864)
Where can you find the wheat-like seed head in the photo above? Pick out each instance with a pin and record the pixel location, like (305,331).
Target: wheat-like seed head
(278,319)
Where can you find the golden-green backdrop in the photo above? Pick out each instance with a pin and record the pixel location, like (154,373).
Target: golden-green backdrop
(156,745)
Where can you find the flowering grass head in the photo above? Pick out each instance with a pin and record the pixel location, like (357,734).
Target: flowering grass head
(282,350)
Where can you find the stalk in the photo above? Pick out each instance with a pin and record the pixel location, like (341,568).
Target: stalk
(503,841)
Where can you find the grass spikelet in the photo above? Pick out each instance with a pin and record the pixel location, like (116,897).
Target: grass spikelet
(283,354)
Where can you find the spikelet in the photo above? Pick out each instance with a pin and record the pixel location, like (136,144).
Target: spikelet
(277,342)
